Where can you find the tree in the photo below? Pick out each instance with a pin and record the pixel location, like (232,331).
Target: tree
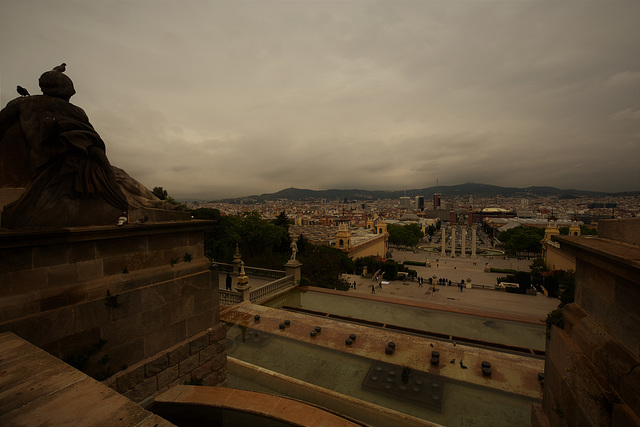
(372,263)
(390,270)
(522,278)
(282,221)
(537,268)
(567,287)
(261,243)
(160,193)
(560,284)
(206,213)
(303,243)
(322,265)
(404,235)
(522,240)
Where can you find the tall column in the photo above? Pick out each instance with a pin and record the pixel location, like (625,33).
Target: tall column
(473,242)
(444,240)
(463,249)
(453,241)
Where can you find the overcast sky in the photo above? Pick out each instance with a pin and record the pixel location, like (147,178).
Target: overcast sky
(214,99)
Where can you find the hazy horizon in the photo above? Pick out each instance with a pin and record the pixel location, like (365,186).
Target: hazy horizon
(408,190)
(212,100)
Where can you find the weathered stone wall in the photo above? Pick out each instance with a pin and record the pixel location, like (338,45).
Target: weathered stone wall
(375,247)
(555,259)
(199,360)
(592,365)
(162,293)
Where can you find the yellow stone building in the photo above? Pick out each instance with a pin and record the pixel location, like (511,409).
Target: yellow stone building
(359,243)
(554,258)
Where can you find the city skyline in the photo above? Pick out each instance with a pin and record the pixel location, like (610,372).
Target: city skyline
(213,100)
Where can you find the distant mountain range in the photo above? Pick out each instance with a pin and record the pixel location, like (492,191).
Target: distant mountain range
(469,189)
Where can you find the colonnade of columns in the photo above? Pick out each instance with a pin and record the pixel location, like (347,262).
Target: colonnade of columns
(463,249)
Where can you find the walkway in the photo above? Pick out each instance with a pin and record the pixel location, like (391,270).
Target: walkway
(472,301)
(36,388)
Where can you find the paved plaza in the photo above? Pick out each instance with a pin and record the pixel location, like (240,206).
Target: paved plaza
(499,303)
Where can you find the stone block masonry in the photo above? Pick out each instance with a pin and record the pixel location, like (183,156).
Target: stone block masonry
(199,360)
(592,374)
(105,299)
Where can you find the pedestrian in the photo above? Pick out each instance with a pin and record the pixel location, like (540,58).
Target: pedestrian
(433,290)
(354,284)
(419,282)
(228,282)
(373,289)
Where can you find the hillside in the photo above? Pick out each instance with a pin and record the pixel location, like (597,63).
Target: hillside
(468,189)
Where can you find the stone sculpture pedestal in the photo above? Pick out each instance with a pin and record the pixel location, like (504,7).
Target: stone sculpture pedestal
(294,268)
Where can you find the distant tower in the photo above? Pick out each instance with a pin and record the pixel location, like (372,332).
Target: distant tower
(551,230)
(405,202)
(420,203)
(452,217)
(436,201)
(574,230)
(381,227)
(370,225)
(470,219)
(343,237)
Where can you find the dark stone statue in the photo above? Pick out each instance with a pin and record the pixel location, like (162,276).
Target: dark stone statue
(49,148)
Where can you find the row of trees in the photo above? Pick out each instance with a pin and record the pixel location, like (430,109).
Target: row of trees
(526,240)
(522,240)
(267,244)
(405,235)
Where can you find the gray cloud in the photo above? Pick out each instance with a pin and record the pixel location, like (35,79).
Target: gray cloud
(221,99)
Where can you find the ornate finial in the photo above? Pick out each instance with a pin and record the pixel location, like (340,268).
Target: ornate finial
(60,67)
(237,256)
(243,279)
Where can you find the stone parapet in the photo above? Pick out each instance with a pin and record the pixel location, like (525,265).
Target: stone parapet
(44,270)
(608,285)
(105,298)
(623,230)
(592,364)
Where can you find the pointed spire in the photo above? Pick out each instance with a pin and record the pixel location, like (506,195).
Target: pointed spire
(243,279)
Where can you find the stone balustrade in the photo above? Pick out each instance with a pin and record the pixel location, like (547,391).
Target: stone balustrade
(260,294)
(252,271)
